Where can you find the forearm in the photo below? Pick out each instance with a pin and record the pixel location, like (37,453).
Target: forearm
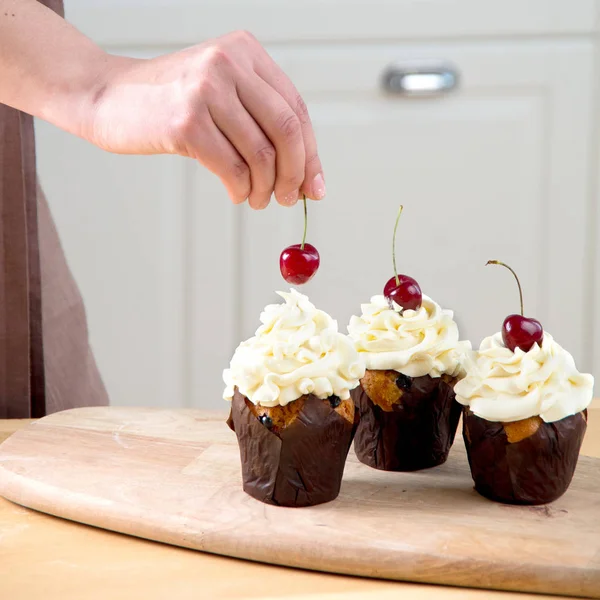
(47,67)
(225,103)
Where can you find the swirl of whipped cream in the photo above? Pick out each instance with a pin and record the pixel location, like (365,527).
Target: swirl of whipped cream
(297,350)
(502,385)
(414,342)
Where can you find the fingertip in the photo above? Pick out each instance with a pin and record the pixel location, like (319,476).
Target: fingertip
(315,189)
(306,191)
(259,203)
(239,194)
(289,199)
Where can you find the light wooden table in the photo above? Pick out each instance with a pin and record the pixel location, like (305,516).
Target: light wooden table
(49,558)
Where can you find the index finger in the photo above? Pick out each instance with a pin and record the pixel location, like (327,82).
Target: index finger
(314,182)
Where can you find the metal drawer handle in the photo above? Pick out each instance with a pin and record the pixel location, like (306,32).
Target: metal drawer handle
(420,81)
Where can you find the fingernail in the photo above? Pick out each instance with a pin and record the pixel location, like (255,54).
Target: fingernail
(318,187)
(291,198)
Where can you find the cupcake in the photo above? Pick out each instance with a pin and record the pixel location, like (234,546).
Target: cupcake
(524,413)
(291,407)
(413,358)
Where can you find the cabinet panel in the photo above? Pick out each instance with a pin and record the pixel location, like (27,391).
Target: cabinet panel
(498,169)
(121,222)
(213,291)
(185,22)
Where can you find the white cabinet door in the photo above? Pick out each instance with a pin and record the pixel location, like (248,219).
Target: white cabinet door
(120,220)
(497,169)
(143,23)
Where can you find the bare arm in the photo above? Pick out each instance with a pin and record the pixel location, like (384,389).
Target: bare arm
(38,72)
(224,102)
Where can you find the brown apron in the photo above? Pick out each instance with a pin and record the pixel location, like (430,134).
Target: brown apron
(46,364)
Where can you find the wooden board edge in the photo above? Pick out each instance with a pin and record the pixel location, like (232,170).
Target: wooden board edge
(9,426)
(47,499)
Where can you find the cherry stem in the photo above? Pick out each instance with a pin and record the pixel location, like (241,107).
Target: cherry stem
(394,245)
(305,221)
(497,262)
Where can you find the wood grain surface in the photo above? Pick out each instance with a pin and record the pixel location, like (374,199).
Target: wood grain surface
(45,558)
(173,476)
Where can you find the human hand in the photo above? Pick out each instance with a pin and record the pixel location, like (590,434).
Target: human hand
(224,103)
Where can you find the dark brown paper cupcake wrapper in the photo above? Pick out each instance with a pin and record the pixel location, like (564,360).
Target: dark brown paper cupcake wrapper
(417,434)
(535,470)
(301,467)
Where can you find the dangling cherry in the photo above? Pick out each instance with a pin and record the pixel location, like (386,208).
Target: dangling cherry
(519,331)
(402,289)
(299,263)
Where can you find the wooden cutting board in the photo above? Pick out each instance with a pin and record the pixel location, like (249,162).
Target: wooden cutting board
(174,477)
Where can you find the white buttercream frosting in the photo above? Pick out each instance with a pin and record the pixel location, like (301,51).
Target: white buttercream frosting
(502,385)
(412,342)
(297,350)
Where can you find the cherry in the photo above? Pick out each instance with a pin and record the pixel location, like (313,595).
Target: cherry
(299,263)
(519,331)
(402,289)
